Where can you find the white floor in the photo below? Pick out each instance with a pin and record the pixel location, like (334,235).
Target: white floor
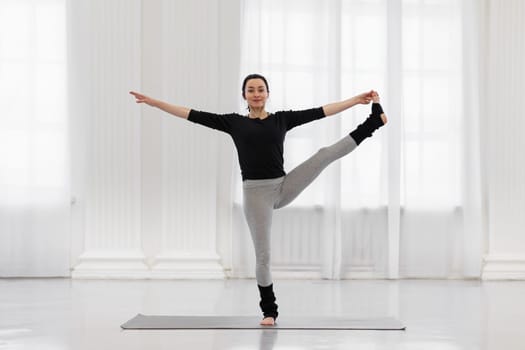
(58,314)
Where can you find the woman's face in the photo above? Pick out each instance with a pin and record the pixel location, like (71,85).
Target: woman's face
(255,93)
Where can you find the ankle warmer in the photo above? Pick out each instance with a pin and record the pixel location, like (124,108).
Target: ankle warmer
(267,303)
(371,124)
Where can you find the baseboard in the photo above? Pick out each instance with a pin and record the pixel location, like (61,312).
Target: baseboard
(187,266)
(280,272)
(134,266)
(110,265)
(503,267)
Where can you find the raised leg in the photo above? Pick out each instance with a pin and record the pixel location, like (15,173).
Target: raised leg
(303,175)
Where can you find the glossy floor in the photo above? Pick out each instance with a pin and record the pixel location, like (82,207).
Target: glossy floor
(56,314)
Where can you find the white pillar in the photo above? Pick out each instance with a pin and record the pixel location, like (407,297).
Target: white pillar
(394,26)
(503,132)
(106,51)
(190,77)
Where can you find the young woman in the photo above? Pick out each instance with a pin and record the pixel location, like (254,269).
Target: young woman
(259,139)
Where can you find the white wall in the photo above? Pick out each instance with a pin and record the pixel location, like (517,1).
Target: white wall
(151,198)
(153,192)
(502,139)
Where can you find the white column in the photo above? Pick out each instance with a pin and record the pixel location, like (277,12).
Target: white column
(151,128)
(190,77)
(229,91)
(107,53)
(474,226)
(394,26)
(503,131)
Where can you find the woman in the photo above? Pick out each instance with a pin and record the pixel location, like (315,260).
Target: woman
(259,139)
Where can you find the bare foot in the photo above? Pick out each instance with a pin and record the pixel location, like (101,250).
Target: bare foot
(268,321)
(376,99)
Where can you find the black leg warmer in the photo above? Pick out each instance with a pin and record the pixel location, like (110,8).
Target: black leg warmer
(371,124)
(267,304)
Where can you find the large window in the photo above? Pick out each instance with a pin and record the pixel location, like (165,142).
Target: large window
(401,193)
(34,144)
(33,125)
(315,52)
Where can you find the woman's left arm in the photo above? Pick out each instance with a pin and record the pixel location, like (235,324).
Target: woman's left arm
(337,107)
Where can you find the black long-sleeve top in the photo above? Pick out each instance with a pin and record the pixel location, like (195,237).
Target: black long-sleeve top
(259,142)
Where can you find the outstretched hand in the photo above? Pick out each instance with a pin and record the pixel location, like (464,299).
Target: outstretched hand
(140,98)
(366,97)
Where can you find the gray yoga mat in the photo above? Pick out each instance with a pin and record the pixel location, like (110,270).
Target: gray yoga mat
(252,322)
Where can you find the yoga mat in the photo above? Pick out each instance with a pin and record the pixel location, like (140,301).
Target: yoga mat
(252,322)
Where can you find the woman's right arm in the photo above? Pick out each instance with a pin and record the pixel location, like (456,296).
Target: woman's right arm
(178,111)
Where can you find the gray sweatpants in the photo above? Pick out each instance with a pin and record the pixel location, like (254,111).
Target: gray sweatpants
(261,197)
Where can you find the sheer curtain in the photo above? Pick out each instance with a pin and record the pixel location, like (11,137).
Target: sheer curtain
(34,173)
(406,202)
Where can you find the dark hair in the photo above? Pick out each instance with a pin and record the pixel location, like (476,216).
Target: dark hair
(253,76)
